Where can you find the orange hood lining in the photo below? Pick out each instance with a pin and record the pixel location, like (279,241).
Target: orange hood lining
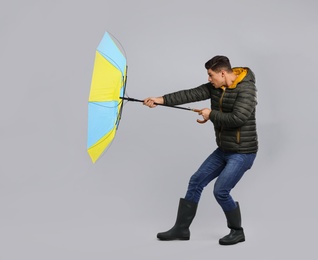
(241,73)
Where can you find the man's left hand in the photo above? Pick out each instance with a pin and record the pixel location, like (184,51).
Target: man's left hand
(205,113)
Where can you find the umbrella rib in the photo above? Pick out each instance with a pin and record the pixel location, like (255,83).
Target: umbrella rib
(113,62)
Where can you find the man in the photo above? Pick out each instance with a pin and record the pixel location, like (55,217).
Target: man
(233,98)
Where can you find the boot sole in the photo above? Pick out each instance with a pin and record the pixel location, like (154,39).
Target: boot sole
(231,243)
(173,238)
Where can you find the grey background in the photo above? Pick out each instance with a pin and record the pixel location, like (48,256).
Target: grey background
(55,204)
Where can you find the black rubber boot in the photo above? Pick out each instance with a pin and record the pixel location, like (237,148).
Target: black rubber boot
(180,230)
(234,223)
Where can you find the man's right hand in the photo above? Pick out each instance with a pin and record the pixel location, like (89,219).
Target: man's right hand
(153,101)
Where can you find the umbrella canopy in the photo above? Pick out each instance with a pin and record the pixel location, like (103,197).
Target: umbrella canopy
(105,103)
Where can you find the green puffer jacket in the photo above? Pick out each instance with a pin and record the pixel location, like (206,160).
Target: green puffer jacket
(233,110)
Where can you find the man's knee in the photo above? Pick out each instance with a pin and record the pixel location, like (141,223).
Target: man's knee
(221,195)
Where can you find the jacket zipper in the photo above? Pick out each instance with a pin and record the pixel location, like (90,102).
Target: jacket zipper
(238,135)
(221,101)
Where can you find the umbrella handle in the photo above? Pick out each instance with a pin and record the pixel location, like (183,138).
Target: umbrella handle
(198,120)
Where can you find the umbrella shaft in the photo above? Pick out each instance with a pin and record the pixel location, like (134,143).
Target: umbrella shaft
(138,100)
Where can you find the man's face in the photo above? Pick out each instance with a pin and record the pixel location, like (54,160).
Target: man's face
(216,78)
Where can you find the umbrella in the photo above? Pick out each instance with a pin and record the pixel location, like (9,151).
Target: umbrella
(104,104)
(106,97)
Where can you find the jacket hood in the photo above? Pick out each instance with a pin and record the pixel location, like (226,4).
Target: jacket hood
(244,74)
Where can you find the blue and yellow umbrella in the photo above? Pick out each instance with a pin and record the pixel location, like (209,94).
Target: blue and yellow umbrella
(105,99)
(106,96)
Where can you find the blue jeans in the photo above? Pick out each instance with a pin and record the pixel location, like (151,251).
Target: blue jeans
(228,168)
